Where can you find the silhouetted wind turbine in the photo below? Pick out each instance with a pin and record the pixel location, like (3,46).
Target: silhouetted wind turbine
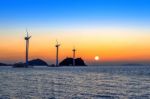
(74,53)
(57,50)
(27,47)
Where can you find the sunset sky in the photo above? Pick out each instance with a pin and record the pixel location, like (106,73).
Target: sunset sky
(118,31)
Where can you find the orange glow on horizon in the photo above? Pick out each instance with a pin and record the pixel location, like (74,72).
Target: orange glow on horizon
(110,45)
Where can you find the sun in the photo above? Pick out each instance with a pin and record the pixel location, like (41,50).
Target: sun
(96,58)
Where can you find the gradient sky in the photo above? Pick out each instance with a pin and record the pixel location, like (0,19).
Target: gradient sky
(116,30)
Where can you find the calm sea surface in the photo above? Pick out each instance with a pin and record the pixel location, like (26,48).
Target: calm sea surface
(103,82)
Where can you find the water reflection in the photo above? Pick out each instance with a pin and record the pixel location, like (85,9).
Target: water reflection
(75,83)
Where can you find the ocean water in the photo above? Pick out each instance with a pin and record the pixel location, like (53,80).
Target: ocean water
(94,82)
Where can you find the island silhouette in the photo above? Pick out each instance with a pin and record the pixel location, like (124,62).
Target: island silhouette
(34,62)
(40,62)
(70,62)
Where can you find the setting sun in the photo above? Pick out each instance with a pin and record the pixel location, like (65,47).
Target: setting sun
(96,58)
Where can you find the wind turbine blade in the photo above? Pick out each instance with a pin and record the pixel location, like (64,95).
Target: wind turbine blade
(27,32)
(56,42)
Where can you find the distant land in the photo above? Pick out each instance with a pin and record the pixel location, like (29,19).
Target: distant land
(40,62)
(3,64)
(35,62)
(69,62)
(66,62)
(132,64)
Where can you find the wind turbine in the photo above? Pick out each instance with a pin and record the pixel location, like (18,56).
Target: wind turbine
(74,53)
(27,38)
(57,50)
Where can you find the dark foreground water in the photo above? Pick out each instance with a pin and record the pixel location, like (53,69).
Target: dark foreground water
(105,82)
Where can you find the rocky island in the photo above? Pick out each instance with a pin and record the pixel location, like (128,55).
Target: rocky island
(35,62)
(69,62)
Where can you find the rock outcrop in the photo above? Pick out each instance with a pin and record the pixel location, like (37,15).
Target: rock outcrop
(35,62)
(3,64)
(69,62)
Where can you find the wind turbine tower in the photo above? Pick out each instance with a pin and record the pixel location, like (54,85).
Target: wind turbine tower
(74,53)
(27,38)
(57,50)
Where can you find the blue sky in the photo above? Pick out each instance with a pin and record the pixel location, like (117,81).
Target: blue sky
(83,23)
(28,12)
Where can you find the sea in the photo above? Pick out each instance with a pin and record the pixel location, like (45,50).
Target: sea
(91,82)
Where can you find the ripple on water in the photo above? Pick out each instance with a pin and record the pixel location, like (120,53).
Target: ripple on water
(75,83)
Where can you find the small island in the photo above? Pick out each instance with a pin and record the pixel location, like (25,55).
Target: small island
(69,62)
(3,64)
(35,62)
(40,62)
